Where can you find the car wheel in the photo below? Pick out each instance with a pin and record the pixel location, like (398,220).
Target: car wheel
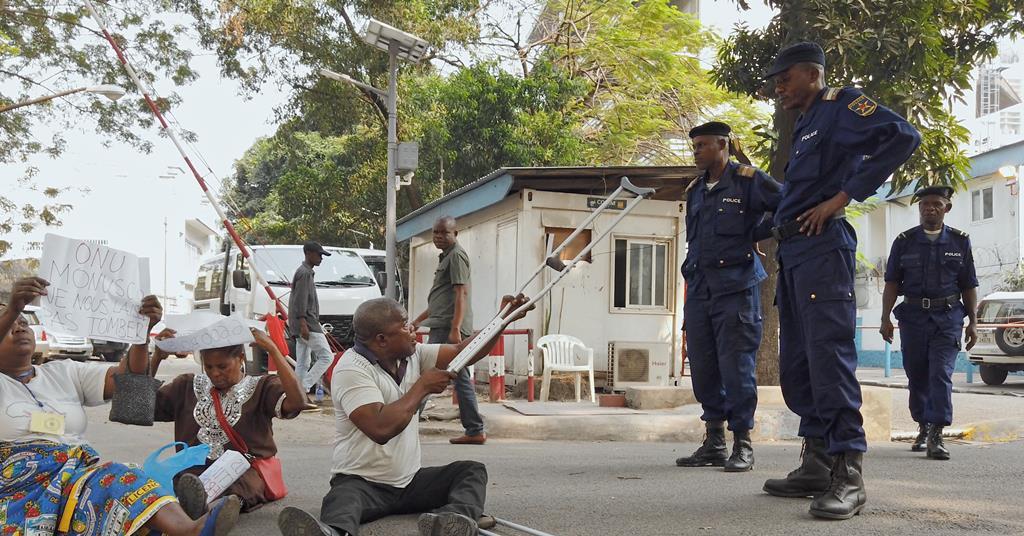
(113,357)
(993,375)
(1010,340)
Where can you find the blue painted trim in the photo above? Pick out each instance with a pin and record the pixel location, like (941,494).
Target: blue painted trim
(490,193)
(990,161)
(858,337)
(876,359)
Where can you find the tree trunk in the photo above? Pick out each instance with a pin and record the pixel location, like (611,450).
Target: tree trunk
(768,353)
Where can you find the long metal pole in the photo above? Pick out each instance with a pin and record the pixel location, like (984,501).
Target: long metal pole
(281,309)
(392,201)
(38,100)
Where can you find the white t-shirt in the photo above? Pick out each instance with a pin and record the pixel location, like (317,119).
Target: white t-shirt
(63,387)
(356,382)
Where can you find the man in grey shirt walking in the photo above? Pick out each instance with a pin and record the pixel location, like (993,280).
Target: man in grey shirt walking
(450,320)
(304,320)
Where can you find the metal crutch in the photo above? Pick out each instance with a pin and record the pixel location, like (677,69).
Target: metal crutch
(503,318)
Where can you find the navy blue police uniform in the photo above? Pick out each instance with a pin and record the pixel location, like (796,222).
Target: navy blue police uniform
(844,142)
(722,309)
(931,276)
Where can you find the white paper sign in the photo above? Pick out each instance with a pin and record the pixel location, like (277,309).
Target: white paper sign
(228,468)
(202,330)
(95,291)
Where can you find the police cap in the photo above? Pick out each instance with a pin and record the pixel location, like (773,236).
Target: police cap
(944,191)
(714,128)
(805,52)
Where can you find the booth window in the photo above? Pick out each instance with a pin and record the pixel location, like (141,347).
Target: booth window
(557,235)
(640,274)
(981,204)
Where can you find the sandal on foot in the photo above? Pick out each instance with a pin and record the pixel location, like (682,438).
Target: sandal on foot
(222,517)
(191,495)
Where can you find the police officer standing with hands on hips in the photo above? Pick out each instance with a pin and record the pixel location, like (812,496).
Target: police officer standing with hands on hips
(845,145)
(932,266)
(722,311)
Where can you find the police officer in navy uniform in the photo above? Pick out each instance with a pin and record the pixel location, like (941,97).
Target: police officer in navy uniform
(845,145)
(722,311)
(931,265)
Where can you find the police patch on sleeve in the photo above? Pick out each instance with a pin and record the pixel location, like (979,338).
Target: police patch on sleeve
(863,106)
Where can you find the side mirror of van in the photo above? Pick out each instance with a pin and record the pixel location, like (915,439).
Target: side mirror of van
(382,279)
(240,279)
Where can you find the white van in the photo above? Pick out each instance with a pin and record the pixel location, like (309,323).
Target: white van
(375,259)
(343,282)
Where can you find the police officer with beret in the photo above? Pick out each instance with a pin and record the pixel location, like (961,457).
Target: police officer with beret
(845,145)
(932,266)
(722,311)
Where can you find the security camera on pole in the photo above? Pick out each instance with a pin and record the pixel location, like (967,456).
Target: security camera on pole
(398,45)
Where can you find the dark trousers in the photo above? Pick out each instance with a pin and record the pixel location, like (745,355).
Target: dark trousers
(722,336)
(459,487)
(469,410)
(929,355)
(817,354)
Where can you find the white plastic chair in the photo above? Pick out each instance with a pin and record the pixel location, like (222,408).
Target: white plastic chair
(559,353)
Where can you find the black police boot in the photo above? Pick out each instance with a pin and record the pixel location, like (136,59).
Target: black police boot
(921,441)
(936,447)
(808,480)
(742,458)
(845,496)
(711,453)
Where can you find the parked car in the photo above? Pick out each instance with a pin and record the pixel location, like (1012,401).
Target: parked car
(59,345)
(376,260)
(42,342)
(1000,350)
(109,350)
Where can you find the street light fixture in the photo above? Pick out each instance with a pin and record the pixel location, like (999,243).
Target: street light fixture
(109,91)
(398,45)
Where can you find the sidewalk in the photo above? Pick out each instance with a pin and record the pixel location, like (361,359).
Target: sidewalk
(980,415)
(1014,385)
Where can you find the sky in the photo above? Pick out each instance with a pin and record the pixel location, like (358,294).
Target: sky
(128,202)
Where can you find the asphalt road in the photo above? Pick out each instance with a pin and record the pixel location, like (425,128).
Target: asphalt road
(591,488)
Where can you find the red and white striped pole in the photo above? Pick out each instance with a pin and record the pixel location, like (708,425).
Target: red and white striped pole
(195,173)
(496,370)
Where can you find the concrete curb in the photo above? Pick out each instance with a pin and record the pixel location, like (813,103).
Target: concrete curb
(956,389)
(995,431)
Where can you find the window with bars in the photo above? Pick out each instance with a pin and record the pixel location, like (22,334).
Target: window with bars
(640,274)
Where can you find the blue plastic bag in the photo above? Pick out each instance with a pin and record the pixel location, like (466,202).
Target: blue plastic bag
(164,471)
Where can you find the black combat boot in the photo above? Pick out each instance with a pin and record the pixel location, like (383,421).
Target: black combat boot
(921,441)
(742,458)
(845,496)
(808,480)
(711,453)
(936,447)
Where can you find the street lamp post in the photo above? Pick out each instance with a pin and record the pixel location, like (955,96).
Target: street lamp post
(398,45)
(111,92)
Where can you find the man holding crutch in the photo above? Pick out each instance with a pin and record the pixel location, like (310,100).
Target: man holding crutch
(722,311)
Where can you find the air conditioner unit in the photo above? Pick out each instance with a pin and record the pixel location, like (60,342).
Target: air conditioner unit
(633,364)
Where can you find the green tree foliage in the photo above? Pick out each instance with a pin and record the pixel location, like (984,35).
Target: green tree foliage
(914,56)
(588,87)
(50,46)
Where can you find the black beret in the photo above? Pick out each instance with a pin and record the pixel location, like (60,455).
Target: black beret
(944,191)
(714,128)
(805,52)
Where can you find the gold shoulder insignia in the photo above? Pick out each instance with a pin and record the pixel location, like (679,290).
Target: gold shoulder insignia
(863,106)
(959,232)
(691,185)
(831,93)
(902,235)
(746,171)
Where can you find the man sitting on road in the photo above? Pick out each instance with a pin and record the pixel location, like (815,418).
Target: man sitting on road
(378,386)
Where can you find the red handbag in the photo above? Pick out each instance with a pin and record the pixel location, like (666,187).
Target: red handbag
(269,469)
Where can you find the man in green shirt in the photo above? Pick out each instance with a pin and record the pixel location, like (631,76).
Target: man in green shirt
(450,319)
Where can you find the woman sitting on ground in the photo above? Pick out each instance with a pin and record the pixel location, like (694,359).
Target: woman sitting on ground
(51,481)
(249,403)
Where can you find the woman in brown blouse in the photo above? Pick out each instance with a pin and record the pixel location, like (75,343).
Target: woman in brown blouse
(249,404)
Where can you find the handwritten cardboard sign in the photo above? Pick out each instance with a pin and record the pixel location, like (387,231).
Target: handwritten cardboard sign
(202,330)
(95,291)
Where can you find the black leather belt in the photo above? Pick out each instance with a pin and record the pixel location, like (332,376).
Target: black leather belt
(929,304)
(792,228)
